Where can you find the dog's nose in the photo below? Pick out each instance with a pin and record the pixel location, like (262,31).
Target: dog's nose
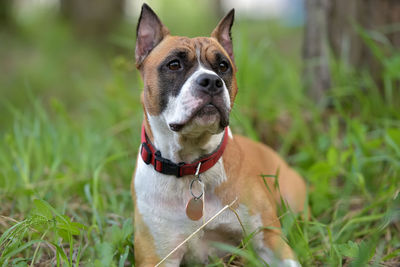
(210,84)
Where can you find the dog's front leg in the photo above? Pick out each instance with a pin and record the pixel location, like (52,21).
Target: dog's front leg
(146,256)
(152,245)
(275,251)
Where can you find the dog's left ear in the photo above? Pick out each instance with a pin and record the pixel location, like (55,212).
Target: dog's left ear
(223,33)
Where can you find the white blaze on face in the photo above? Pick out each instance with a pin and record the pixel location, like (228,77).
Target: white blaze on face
(181,109)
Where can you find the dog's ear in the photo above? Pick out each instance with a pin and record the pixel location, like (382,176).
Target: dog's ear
(149,33)
(223,33)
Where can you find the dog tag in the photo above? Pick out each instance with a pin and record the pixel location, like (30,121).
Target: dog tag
(194,209)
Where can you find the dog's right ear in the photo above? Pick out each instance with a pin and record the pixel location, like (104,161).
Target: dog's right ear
(149,33)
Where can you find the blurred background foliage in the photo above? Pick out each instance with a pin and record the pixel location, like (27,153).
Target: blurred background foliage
(71,113)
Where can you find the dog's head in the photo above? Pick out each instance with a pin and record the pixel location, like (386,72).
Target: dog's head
(189,83)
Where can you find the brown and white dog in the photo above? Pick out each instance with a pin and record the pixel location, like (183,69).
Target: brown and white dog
(189,90)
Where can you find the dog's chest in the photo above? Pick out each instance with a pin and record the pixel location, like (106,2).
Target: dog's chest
(162,200)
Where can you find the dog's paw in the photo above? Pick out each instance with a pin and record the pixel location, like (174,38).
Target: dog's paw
(290,263)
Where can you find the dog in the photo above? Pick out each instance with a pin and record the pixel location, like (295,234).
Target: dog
(190,166)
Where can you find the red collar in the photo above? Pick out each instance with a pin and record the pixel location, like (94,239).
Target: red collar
(151,155)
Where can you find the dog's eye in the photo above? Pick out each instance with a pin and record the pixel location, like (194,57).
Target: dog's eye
(223,66)
(174,65)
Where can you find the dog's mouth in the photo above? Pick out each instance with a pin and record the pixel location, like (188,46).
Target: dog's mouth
(209,112)
(206,110)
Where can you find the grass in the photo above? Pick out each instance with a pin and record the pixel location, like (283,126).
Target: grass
(69,134)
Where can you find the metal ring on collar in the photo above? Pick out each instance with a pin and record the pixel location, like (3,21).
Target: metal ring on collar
(191,185)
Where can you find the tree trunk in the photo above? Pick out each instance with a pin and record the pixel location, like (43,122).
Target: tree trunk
(93,17)
(5,13)
(315,49)
(380,19)
(342,24)
(218,9)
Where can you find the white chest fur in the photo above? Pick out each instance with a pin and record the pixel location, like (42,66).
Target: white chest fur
(162,199)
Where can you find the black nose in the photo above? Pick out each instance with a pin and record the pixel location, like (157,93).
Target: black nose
(210,84)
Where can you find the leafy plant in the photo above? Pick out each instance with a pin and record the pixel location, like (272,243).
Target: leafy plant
(44,221)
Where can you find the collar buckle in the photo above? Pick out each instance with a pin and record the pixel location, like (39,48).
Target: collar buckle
(166,166)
